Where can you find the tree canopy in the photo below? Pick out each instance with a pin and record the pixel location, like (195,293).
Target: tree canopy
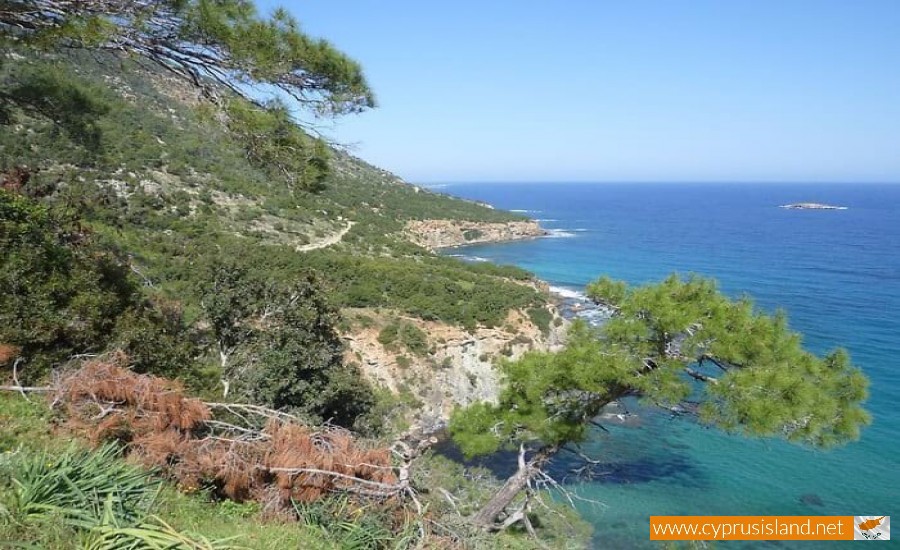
(65,293)
(211,43)
(278,345)
(683,345)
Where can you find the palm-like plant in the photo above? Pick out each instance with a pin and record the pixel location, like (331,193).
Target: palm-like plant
(105,499)
(78,483)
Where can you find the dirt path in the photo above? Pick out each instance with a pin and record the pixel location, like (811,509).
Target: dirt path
(334,238)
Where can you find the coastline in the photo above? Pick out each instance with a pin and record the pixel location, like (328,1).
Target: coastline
(491,241)
(436,235)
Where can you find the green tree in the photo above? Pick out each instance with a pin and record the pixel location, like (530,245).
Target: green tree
(279,348)
(274,142)
(72,106)
(62,293)
(65,293)
(247,65)
(213,44)
(681,345)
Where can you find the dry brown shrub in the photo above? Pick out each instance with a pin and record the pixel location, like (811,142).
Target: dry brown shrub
(8,354)
(15,178)
(280,463)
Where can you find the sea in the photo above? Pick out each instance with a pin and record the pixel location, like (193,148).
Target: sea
(836,273)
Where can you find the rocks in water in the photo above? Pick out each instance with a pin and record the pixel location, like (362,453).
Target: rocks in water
(811,206)
(811,499)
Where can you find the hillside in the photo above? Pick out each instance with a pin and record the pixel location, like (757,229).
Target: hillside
(134,217)
(156,175)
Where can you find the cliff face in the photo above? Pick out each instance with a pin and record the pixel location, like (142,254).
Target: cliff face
(434,234)
(459,366)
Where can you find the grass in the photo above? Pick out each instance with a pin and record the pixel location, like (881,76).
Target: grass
(55,495)
(32,516)
(198,514)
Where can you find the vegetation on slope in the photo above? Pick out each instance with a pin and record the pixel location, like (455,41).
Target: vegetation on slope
(174,191)
(192,235)
(34,516)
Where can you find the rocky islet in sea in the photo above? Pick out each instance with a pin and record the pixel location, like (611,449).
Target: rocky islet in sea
(811,206)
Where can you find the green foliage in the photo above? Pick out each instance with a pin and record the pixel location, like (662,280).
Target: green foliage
(472,234)
(82,485)
(72,106)
(542,318)
(387,415)
(158,341)
(275,143)
(62,293)
(150,534)
(90,496)
(223,42)
(663,339)
(406,334)
(351,527)
(286,352)
(159,167)
(429,289)
(198,513)
(23,424)
(66,293)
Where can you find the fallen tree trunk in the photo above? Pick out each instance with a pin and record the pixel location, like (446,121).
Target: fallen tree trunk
(487,516)
(28,389)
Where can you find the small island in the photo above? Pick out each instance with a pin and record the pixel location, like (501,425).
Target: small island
(811,206)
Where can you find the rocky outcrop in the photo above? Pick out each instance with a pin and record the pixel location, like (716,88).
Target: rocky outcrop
(435,234)
(459,366)
(812,206)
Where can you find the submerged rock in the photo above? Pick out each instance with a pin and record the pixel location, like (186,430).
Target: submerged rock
(811,499)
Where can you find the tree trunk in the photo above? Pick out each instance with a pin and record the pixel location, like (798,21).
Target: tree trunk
(486,517)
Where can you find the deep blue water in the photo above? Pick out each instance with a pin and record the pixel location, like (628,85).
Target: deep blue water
(836,273)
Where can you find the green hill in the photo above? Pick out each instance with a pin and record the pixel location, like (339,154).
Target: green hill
(133,218)
(150,170)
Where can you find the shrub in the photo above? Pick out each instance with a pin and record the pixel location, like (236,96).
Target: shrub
(472,234)
(541,317)
(388,334)
(62,293)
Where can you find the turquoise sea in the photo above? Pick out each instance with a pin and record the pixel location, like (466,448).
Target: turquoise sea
(836,273)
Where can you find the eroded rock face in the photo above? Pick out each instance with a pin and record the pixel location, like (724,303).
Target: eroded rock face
(459,368)
(435,234)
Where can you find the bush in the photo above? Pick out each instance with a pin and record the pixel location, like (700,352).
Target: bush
(541,317)
(388,335)
(62,293)
(472,234)
(405,333)
(282,346)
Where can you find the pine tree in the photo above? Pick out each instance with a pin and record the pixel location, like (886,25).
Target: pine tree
(684,346)
(213,44)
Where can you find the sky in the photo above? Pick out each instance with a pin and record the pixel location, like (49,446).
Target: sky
(726,90)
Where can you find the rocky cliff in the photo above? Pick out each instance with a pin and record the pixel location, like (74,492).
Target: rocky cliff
(435,234)
(458,367)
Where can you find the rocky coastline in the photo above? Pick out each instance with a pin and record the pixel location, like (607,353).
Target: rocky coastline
(439,234)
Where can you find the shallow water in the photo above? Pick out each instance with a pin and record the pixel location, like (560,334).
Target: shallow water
(836,273)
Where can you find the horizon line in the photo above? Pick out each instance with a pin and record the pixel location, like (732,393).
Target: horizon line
(666,182)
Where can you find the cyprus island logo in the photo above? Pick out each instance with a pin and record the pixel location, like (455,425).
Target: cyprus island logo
(871,527)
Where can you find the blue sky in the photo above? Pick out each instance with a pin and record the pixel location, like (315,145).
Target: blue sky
(727,90)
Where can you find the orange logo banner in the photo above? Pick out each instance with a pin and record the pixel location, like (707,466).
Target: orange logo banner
(751,527)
